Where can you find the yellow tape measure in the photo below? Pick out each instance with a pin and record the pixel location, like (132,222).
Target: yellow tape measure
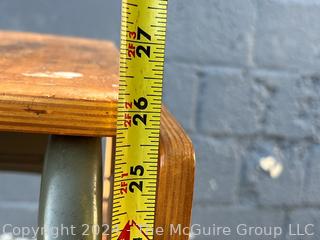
(143,34)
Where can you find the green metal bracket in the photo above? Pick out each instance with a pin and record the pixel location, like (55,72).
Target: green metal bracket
(71,189)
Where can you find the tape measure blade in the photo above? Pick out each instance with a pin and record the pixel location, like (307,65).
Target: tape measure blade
(142,49)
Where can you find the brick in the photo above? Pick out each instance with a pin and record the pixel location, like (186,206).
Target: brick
(226,104)
(287,34)
(217,31)
(19,187)
(180,92)
(283,100)
(312,182)
(284,190)
(234,216)
(304,217)
(217,170)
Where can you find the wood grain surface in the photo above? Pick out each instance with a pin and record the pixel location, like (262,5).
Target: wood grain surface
(57,85)
(30,101)
(175,180)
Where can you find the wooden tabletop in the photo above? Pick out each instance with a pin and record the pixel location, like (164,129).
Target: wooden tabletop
(57,85)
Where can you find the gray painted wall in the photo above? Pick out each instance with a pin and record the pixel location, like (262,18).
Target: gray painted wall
(243,78)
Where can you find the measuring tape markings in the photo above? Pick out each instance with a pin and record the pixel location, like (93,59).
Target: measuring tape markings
(138,123)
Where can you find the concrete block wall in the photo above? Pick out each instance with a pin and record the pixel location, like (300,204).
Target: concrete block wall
(19,194)
(243,78)
(249,72)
